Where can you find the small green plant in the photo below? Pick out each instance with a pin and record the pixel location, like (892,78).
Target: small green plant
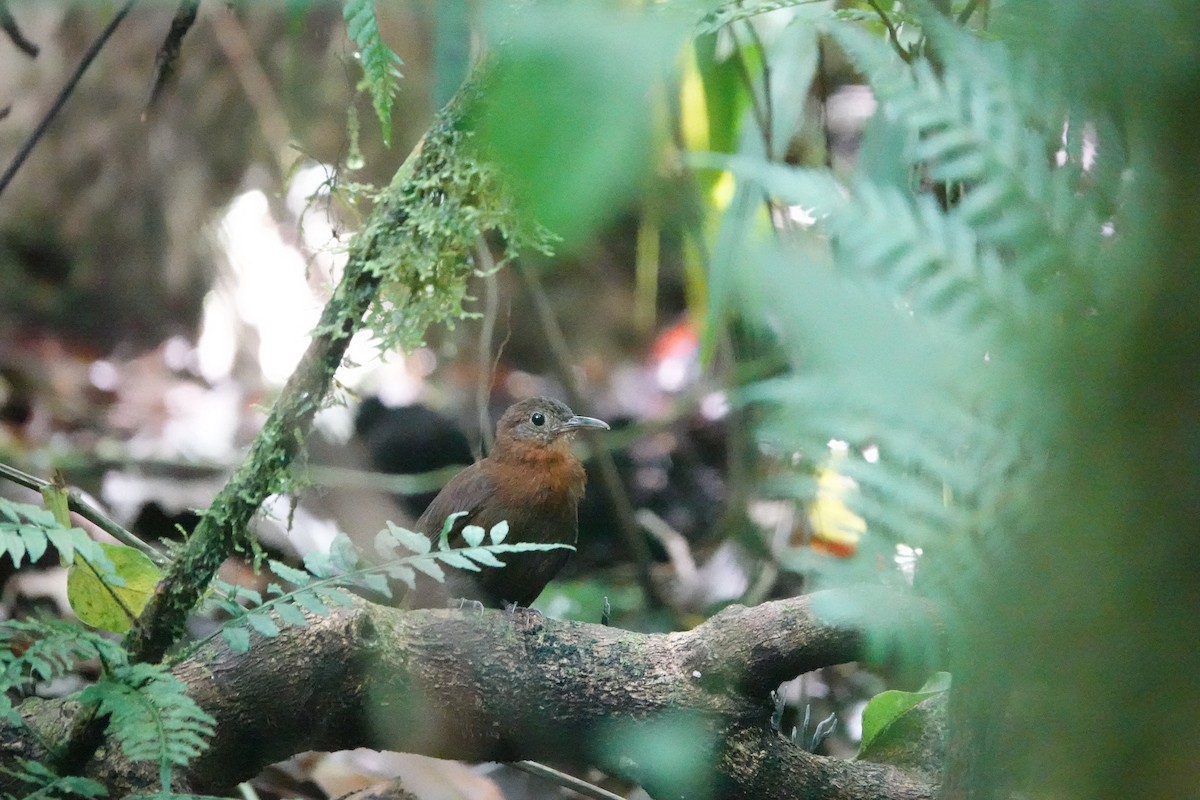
(44,783)
(328,579)
(149,712)
(380,65)
(27,531)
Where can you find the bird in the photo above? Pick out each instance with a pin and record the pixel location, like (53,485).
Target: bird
(532,481)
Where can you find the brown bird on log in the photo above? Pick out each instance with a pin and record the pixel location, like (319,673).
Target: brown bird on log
(533,481)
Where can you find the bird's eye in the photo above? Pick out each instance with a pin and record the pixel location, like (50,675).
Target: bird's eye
(538,419)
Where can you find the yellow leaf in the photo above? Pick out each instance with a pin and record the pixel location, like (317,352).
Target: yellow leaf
(98,602)
(835,528)
(54,495)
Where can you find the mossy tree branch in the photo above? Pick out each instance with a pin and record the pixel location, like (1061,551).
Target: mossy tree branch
(495,686)
(225,526)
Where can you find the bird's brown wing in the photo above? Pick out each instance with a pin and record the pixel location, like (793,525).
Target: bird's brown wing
(468,491)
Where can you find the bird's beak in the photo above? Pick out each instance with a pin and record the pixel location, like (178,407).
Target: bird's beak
(577,422)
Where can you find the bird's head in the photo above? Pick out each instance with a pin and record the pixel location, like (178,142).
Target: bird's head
(541,420)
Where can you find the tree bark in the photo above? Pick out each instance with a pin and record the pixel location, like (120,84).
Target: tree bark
(685,714)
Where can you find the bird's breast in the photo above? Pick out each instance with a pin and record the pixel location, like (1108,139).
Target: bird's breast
(540,473)
(537,490)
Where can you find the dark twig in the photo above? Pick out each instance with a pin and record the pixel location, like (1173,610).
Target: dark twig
(768,102)
(570,782)
(233,39)
(168,54)
(893,33)
(756,108)
(966,13)
(85,510)
(627,525)
(9,24)
(63,95)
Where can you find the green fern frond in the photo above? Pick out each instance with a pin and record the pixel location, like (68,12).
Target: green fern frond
(902,496)
(27,530)
(879,64)
(929,260)
(380,65)
(328,578)
(151,716)
(972,128)
(45,783)
(38,650)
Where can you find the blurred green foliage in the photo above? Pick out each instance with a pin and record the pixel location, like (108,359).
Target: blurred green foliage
(569,111)
(1000,297)
(1003,299)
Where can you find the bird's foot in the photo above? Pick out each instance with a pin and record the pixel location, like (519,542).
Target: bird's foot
(464,602)
(513,608)
(528,619)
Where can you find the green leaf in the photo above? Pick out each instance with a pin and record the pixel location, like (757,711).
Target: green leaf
(473,535)
(69,541)
(262,622)
(41,781)
(338,597)
(41,649)
(34,540)
(296,577)
(311,603)
(251,597)
(456,559)
(226,605)
(499,531)
(97,600)
(412,541)
(26,530)
(385,543)
(569,115)
(887,708)
(447,526)
(430,567)
(813,189)
(319,564)
(376,583)
(343,554)
(8,712)
(403,574)
(16,545)
(237,638)
(290,614)
(484,557)
(530,547)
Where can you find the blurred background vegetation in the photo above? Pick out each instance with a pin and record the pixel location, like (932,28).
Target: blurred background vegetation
(883,292)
